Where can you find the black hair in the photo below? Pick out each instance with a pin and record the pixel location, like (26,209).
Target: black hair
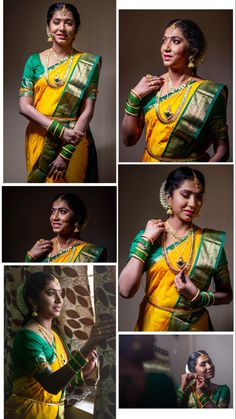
(76,205)
(194,36)
(59,6)
(178,176)
(192,361)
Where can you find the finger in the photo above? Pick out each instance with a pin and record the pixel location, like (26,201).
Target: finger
(51,171)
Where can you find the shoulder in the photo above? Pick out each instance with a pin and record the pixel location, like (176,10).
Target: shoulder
(26,337)
(91,58)
(213,86)
(95,253)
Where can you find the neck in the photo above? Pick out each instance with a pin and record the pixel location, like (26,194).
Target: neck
(179,77)
(65,240)
(62,51)
(179,225)
(46,323)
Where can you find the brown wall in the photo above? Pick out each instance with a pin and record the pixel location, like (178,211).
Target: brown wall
(25,33)
(139,201)
(141,33)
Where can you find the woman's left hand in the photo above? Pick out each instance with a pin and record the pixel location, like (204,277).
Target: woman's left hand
(184,286)
(200,383)
(58,168)
(92,364)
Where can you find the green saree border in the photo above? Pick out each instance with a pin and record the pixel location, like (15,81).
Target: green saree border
(189,127)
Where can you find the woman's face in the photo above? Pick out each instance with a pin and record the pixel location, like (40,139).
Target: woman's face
(205,367)
(186,200)
(62,218)
(175,48)
(49,302)
(62,28)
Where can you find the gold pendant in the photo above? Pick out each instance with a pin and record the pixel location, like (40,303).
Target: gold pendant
(168,114)
(180,263)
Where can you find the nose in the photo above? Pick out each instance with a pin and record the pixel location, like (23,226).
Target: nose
(192,201)
(61,25)
(59,298)
(55,215)
(167,45)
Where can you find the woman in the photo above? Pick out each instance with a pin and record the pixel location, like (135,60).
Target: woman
(196,389)
(180,260)
(68,218)
(183,113)
(58,94)
(43,364)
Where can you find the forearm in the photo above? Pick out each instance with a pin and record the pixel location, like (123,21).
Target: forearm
(223,297)
(29,111)
(56,381)
(130,278)
(221,152)
(131,131)
(84,120)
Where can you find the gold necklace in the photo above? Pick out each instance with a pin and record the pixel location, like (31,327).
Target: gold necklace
(60,249)
(173,232)
(50,339)
(169,116)
(182,265)
(57,81)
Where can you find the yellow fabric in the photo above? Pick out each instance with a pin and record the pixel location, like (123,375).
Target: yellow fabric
(69,256)
(45,101)
(27,387)
(157,134)
(161,291)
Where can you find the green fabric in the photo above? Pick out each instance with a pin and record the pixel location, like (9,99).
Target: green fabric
(220,397)
(89,253)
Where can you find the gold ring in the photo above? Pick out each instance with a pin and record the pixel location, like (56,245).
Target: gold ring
(41,240)
(148,76)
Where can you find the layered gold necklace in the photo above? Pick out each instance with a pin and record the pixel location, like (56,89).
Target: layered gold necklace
(180,262)
(58,80)
(167,116)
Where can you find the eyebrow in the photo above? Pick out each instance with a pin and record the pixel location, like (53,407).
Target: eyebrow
(173,37)
(53,289)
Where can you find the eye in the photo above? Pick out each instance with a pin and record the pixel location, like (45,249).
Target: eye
(185,194)
(63,211)
(176,41)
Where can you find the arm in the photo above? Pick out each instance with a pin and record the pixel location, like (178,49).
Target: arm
(130,277)
(133,122)
(219,129)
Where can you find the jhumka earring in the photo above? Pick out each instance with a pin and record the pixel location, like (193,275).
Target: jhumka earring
(49,35)
(34,311)
(191,62)
(76,229)
(169,210)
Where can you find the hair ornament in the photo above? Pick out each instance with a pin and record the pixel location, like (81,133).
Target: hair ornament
(163,196)
(20,300)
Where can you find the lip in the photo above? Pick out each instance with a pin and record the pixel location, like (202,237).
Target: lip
(188,212)
(57,308)
(56,225)
(166,57)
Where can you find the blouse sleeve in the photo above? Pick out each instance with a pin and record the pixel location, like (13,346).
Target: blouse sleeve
(32,355)
(221,276)
(92,89)
(27,82)
(218,120)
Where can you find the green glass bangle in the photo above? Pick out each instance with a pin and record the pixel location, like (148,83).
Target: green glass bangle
(133,111)
(136,257)
(29,257)
(130,113)
(66,158)
(80,359)
(65,153)
(69,147)
(139,254)
(180,394)
(145,243)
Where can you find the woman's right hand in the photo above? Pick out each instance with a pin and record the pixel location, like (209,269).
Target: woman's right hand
(100,332)
(40,248)
(148,84)
(154,228)
(69,136)
(186,379)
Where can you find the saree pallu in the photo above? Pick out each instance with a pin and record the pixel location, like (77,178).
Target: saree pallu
(201,121)
(64,104)
(81,252)
(163,308)
(219,397)
(32,356)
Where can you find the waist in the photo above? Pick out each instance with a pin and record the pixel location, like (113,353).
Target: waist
(200,157)
(61,119)
(174,310)
(38,401)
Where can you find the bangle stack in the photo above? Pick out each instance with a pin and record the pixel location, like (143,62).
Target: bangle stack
(207,299)
(204,400)
(67,151)
(132,106)
(77,362)
(56,129)
(180,394)
(141,252)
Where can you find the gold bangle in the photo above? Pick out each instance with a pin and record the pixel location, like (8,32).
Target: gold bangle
(195,296)
(147,238)
(28,253)
(136,257)
(136,94)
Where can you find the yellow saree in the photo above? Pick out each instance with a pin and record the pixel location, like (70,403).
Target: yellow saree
(63,104)
(32,356)
(163,308)
(201,120)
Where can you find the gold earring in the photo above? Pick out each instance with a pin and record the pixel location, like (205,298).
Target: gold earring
(191,61)
(49,35)
(34,311)
(76,229)
(169,210)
